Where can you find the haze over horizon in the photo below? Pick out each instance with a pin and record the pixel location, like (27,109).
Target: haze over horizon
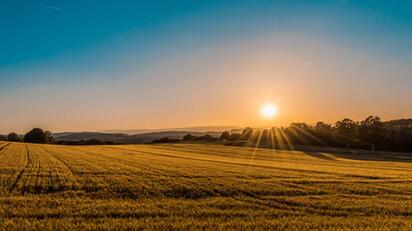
(95,65)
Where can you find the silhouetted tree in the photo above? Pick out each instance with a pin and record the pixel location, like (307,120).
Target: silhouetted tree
(302,126)
(399,138)
(324,132)
(247,133)
(189,137)
(346,129)
(305,134)
(165,140)
(207,137)
(265,138)
(3,138)
(50,138)
(225,135)
(372,130)
(92,142)
(12,136)
(298,133)
(36,135)
(234,136)
(323,128)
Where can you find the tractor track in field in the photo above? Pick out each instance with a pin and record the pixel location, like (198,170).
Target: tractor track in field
(135,167)
(61,161)
(74,177)
(14,184)
(4,148)
(121,161)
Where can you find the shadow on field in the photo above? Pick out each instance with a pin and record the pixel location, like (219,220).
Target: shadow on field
(320,155)
(332,153)
(375,156)
(360,155)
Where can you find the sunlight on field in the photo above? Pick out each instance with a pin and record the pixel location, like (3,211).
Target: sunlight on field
(183,186)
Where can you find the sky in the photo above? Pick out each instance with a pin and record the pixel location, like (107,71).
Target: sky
(101,65)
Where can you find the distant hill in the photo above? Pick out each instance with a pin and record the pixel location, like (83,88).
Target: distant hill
(125,138)
(129,132)
(400,123)
(73,136)
(184,129)
(149,137)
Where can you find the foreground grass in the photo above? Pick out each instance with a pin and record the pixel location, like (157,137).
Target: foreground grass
(184,187)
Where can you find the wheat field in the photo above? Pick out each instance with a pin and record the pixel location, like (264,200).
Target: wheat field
(199,186)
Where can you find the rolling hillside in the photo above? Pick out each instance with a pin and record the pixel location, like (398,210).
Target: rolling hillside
(127,139)
(184,186)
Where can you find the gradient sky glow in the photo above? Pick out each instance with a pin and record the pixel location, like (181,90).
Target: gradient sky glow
(94,65)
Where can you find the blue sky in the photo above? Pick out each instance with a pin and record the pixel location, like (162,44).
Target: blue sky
(90,55)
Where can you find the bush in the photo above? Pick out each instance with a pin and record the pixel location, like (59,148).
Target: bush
(165,140)
(39,136)
(3,138)
(13,137)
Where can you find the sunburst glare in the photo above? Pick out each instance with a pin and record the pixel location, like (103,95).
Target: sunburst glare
(269,111)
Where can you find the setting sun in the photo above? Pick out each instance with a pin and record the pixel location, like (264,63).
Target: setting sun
(269,111)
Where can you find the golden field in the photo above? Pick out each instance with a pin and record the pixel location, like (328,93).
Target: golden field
(199,186)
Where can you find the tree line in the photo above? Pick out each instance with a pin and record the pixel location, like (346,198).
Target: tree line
(371,133)
(40,136)
(36,135)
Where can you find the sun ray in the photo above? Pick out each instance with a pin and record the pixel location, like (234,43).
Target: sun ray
(272,138)
(295,132)
(256,145)
(310,135)
(285,138)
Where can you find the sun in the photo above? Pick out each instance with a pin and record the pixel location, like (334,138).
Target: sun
(269,111)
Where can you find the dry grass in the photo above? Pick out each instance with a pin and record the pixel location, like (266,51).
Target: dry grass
(182,186)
